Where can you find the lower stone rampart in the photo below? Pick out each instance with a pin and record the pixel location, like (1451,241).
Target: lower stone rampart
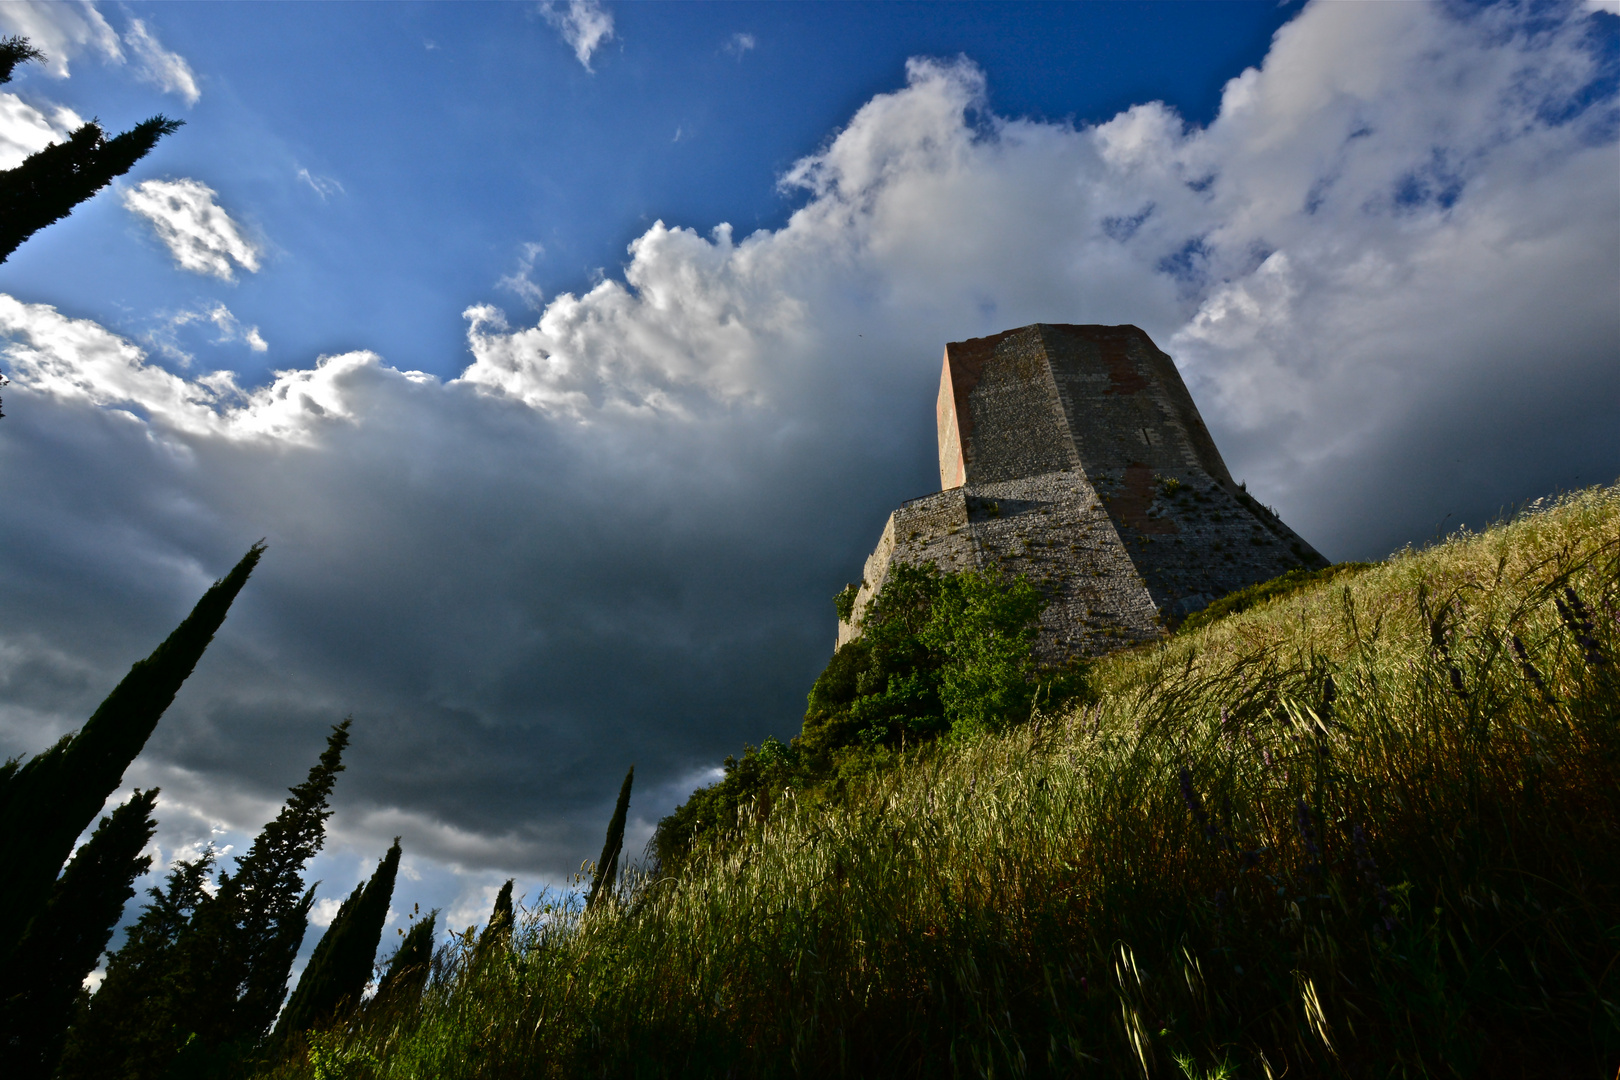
(1118,557)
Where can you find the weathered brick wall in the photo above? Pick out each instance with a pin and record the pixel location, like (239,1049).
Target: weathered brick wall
(1125,402)
(1018,423)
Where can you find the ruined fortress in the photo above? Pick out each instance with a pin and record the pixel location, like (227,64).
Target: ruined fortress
(1074,456)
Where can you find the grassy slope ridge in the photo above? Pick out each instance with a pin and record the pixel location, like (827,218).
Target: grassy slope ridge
(1349,832)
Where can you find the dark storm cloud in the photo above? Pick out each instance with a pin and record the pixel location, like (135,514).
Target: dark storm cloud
(512,616)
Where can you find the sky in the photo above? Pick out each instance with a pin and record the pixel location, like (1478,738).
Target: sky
(569,357)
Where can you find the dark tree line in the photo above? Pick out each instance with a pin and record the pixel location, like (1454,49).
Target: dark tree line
(43,977)
(202,973)
(340,968)
(57,914)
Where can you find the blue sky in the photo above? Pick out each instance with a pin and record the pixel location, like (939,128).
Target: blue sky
(448,137)
(571,357)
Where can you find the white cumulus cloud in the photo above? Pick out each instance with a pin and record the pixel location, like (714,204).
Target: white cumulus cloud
(583,24)
(739,43)
(63,30)
(166,70)
(324,911)
(79,360)
(200,235)
(1376,224)
(26,129)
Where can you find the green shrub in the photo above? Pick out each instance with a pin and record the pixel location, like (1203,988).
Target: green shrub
(939,653)
(844,602)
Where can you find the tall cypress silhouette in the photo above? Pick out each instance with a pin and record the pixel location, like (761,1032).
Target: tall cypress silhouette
(409,967)
(341,965)
(501,918)
(242,942)
(127,1028)
(607,867)
(216,989)
(47,801)
(49,184)
(41,982)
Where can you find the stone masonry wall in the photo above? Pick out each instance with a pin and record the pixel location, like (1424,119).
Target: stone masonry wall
(1075,457)
(1052,529)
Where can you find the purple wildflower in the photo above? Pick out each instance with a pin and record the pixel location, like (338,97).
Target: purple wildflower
(1440,642)
(1579,620)
(1530,671)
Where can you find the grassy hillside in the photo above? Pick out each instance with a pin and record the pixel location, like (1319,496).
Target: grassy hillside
(1368,828)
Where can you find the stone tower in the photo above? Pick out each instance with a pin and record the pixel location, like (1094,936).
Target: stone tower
(1073,455)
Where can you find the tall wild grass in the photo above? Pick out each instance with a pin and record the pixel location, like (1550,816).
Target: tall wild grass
(1371,829)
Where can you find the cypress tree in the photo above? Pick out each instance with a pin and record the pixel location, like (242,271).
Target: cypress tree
(607,867)
(49,184)
(47,801)
(14,51)
(127,1028)
(7,772)
(216,989)
(42,981)
(341,965)
(499,930)
(408,968)
(242,943)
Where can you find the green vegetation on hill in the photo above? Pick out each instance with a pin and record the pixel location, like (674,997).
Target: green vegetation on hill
(1264,592)
(940,654)
(1370,828)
